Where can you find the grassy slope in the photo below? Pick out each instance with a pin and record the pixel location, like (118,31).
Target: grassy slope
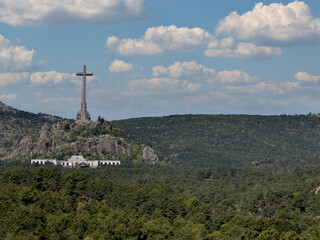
(238,140)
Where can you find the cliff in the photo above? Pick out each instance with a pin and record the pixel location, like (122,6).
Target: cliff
(57,141)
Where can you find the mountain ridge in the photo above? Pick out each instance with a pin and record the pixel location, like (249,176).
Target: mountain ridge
(184,140)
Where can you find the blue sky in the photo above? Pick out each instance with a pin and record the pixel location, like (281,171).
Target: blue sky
(161,57)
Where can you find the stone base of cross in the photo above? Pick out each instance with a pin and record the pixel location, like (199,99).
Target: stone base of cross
(83,116)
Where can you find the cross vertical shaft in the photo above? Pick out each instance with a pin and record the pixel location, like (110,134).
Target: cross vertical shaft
(84,102)
(83,114)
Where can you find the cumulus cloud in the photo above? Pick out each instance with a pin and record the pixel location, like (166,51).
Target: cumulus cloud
(50,77)
(157,40)
(62,12)
(154,83)
(192,87)
(14,57)
(164,83)
(208,97)
(234,76)
(306,77)
(13,78)
(279,88)
(183,69)
(193,70)
(8,97)
(161,39)
(243,50)
(78,80)
(273,24)
(118,66)
(255,35)
(55,77)
(58,100)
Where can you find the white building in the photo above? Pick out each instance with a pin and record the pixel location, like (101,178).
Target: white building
(76,161)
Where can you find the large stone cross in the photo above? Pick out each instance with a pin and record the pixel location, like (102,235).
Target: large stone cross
(83,114)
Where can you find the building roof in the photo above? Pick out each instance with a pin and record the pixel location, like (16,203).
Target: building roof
(77,159)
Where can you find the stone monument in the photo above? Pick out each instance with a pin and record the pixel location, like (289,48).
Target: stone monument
(83,115)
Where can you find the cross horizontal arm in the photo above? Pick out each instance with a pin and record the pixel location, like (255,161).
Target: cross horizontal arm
(86,74)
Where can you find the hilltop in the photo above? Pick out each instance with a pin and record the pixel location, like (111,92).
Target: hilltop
(26,135)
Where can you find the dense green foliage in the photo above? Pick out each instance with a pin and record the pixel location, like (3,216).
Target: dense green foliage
(228,140)
(160,203)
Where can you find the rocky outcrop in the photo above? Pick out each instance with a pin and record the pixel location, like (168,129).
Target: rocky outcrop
(149,155)
(26,135)
(58,138)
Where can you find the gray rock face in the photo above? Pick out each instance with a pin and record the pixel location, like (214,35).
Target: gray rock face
(54,139)
(149,155)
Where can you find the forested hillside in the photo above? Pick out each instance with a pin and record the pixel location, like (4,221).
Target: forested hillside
(229,140)
(160,203)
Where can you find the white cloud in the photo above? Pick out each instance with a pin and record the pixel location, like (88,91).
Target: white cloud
(273,24)
(50,77)
(254,35)
(157,40)
(279,88)
(285,87)
(155,82)
(243,50)
(13,78)
(169,78)
(166,84)
(63,12)
(115,95)
(208,97)
(60,99)
(194,70)
(305,77)
(120,66)
(192,87)
(234,76)
(8,97)
(183,69)
(78,80)
(161,39)
(57,77)
(14,57)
